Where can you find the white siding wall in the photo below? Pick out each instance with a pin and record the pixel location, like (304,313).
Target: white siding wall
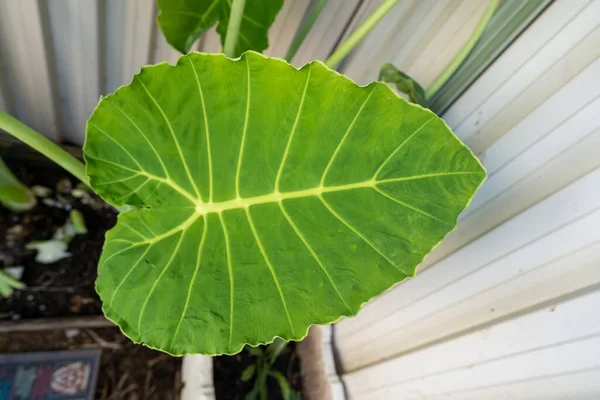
(507,306)
(57,57)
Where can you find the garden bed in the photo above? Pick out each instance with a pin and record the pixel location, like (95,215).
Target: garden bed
(127,371)
(59,305)
(227,372)
(64,288)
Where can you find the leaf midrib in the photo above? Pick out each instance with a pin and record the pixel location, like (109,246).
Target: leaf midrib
(275,197)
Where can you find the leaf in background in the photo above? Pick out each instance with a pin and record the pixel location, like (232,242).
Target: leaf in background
(13,194)
(284,385)
(255,351)
(248,373)
(403,82)
(9,281)
(183,21)
(275,349)
(270,198)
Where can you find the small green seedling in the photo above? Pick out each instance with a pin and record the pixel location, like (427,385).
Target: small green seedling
(263,368)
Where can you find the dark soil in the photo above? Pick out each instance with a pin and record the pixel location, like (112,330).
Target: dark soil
(227,371)
(66,287)
(127,371)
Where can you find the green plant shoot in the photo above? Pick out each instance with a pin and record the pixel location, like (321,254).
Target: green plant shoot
(13,194)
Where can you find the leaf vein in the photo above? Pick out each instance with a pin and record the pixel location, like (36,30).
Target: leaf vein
(117,180)
(207,134)
(112,298)
(340,144)
(191,287)
(231,282)
(118,144)
(271,269)
(145,304)
(244,130)
(148,179)
(292,132)
(357,233)
(183,162)
(313,253)
(133,230)
(416,209)
(159,158)
(169,182)
(393,153)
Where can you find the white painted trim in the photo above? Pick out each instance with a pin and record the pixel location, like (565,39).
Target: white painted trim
(197,378)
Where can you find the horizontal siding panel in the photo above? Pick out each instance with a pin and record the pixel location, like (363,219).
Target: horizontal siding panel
(563,338)
(383,328)
(25,59)
(548,25)
(286,25)
(419,37)
(76,44)
(526,164)
(58,57)
(577,385)
(530,235)
(326,31)
(532,84)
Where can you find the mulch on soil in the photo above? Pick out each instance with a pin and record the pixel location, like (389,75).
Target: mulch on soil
(127,371)
(64,288)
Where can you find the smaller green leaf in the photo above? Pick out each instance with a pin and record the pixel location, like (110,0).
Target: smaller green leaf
(8,284)
(403,82)
(275,349)
(13,194)
(254,351)
(184,21)
(286,390)
(248,373)
(78,222)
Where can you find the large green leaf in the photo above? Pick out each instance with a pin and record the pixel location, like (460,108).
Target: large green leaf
(183,21)
(269,198)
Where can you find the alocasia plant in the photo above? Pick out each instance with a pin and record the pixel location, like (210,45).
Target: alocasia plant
(261,198)
(266,198)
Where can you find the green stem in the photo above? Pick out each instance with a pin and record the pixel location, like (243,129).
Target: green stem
(460,57)
(233,27)
(342,51)
(261,379)
(48,148)
(306,27)
(13,194)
